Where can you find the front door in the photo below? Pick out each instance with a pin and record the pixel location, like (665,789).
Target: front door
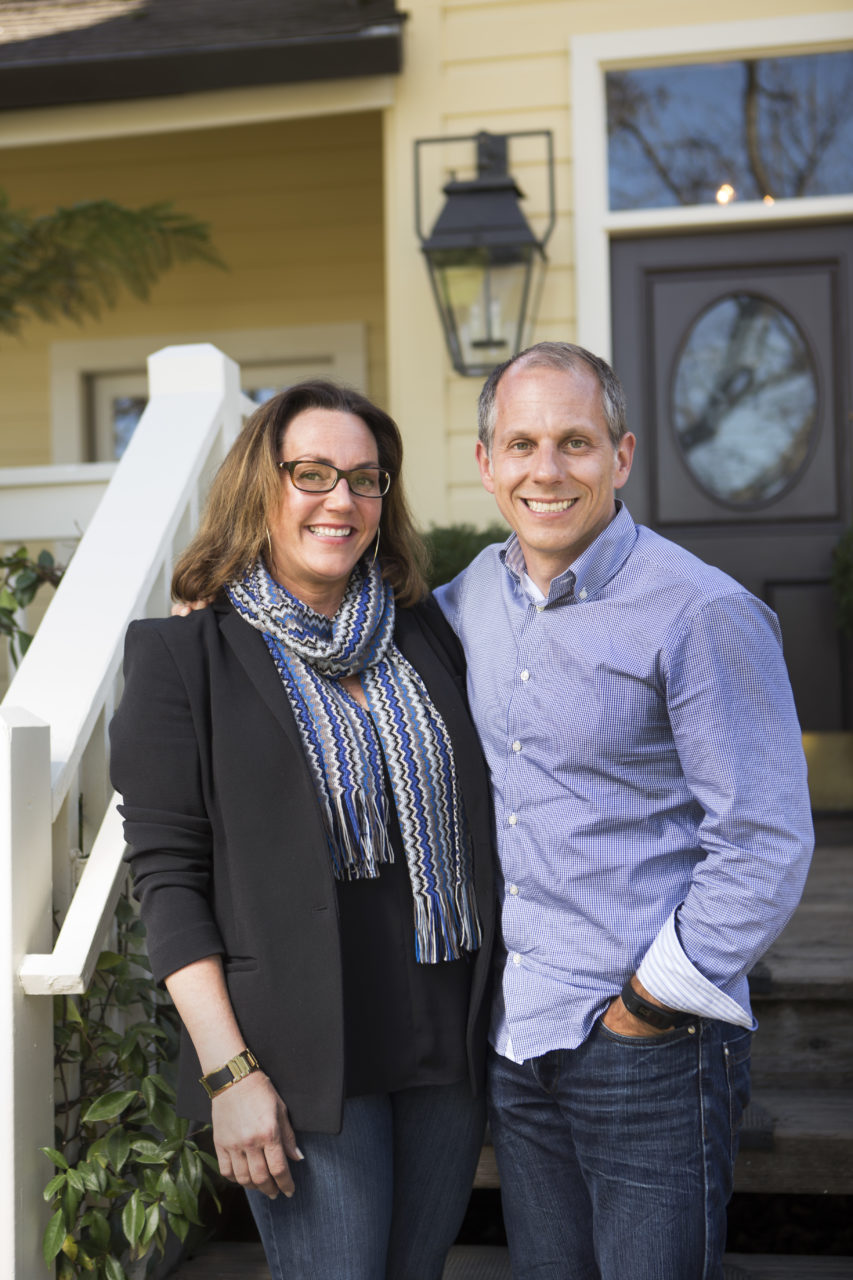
(735,352)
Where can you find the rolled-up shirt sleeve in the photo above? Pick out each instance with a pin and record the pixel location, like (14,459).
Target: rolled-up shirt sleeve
(155,767)
(738,740)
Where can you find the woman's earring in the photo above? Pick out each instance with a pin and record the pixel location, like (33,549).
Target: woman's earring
(271,565)
(375,549)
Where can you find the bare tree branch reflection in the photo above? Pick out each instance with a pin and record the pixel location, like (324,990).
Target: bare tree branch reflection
(744,399)
(771,127)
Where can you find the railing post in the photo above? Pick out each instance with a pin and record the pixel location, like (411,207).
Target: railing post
(26,1022)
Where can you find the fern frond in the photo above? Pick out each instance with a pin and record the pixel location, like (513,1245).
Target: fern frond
(73,262)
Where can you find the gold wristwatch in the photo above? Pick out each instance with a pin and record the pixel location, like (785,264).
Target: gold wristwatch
(236,1068)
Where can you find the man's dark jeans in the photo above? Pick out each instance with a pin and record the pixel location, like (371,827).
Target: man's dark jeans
(616,1158)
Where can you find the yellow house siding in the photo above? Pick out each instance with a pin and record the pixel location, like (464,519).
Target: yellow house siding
(295,210)
(511,84)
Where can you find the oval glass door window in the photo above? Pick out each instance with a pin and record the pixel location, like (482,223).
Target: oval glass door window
(744,400)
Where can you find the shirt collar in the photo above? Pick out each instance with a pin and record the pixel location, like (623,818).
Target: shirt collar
(592,570)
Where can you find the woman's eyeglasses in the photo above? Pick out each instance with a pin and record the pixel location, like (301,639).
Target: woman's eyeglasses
(321,477)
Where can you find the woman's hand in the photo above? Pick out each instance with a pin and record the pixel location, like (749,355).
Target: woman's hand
(251,1129)
(253,1137)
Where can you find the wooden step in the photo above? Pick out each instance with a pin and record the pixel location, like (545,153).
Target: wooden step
(768,1266)
(802,1042)
(802,1059)
(813,956)
(477,1262)
(809,1150)
(812,1151)
(225,1261)
(488,1262)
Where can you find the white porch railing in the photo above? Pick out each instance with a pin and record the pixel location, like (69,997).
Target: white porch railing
(45,504)
(57,810)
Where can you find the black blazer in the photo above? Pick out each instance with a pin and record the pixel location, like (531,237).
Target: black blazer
(227,845)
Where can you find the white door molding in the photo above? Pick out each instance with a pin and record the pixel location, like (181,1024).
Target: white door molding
(594,224)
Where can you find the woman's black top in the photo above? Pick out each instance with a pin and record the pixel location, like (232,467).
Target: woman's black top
(404,1022)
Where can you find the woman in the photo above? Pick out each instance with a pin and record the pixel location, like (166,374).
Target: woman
(308,820)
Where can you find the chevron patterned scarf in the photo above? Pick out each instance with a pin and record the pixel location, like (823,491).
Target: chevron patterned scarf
(345,747)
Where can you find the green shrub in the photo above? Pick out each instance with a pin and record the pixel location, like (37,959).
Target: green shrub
(20,579)
(128,1172)
(452,547)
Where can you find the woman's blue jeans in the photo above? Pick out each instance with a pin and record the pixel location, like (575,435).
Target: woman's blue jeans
(616,1158)
(384,1198)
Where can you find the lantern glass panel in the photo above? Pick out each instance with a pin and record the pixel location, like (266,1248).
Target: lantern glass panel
(484,305)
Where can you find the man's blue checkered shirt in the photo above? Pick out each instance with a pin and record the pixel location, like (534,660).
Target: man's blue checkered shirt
(649,783)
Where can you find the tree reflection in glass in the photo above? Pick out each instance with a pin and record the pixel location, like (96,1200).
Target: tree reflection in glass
(760,129)
(744,400)
(126,410)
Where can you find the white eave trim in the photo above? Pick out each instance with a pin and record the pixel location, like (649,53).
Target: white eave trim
(225,107)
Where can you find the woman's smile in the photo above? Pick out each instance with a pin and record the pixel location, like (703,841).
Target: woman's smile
(331,531)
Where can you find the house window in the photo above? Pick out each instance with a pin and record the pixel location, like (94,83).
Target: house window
(745,400)
(117,400)
(99,389)
(718,132)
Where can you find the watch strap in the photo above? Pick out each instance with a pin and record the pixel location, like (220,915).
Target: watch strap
(655,1016)
(236,1068)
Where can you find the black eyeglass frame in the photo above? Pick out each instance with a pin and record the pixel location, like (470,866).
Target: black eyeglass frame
(339,474)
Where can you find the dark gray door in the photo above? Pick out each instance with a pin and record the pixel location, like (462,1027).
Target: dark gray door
(735,351)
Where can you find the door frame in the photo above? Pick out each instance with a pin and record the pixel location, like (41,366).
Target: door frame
(594,223)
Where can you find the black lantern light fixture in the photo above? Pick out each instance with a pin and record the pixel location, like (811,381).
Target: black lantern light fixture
(485,264)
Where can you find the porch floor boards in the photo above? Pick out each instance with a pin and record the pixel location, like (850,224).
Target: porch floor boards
(477,1262)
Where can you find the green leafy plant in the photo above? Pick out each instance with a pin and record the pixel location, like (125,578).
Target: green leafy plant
(842,581)
(452,547)
(20,579)
(73,261)
(128,1170)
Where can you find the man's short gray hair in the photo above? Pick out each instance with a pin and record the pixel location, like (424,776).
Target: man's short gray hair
(568,358)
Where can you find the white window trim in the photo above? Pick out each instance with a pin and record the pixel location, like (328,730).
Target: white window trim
(343,345)
(594,223)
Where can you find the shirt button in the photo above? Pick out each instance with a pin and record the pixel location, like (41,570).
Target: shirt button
(582,594)
(525,675)
(516,746)
(539,608)
(516,958)
(512,819)
(513,888)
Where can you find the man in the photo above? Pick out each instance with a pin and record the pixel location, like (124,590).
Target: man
(653,833)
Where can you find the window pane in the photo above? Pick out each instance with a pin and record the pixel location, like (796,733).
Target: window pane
(744,400)
(766,129)
(126,412)
(261,395)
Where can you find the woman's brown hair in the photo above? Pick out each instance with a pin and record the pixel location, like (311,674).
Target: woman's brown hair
(246,493)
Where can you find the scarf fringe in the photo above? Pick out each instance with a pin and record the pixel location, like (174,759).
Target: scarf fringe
(440,932)
(358,837)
